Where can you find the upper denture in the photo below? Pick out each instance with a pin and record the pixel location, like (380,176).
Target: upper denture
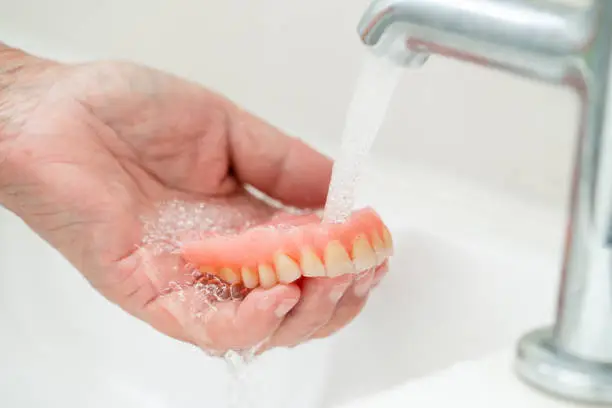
(302,246)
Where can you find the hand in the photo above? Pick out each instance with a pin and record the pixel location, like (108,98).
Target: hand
(88,150)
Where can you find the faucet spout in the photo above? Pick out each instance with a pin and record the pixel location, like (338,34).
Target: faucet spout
(531,38)
(564,45)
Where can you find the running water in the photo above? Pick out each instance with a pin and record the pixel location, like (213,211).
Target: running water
(238,393)
(366,113)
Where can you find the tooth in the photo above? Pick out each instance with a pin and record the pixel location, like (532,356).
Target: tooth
(267,276)
(286,269)
(364,257)
(229,275)
(207,270)
(337,261)
(379,247)
(250,278)
(388,241)
(311,264)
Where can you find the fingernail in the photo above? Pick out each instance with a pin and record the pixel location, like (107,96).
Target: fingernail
(337,293)
(362,289)
(340,286)
(284,307)
(377,280)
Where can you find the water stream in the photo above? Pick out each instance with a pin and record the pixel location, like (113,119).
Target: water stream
(365,115)
(238,393)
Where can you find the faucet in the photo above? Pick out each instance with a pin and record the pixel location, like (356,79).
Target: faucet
(565,45)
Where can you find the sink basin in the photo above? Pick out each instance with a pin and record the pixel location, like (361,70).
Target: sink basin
(472,271)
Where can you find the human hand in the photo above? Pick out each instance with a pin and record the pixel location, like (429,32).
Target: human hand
(88,151)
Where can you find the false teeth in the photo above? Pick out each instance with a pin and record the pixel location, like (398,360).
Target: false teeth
(337,261)
(364,257)
(311,264)
(287,270)
(267,276)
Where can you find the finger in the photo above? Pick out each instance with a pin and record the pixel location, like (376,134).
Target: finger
(263,311)
(314,310)
(349,306)
(281,166)
(246,324)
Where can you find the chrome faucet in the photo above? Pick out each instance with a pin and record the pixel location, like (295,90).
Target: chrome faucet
(567,45)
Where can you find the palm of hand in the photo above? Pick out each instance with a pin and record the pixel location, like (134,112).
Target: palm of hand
(122,138)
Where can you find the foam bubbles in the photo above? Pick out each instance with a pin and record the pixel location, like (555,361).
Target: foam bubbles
(176,221)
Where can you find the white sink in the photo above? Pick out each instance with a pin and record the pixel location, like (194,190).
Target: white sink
(470,274)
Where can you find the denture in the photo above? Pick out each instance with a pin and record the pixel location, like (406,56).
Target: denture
(284,250)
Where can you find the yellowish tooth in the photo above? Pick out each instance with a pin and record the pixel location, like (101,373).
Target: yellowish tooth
(364,257)
(379,247)
(287,270)
(388,241)
(311,264)
(267,276)
(250,278)
(229,275)
(337,260)
(207,270)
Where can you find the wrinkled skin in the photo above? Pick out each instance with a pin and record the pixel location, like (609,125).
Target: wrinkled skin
(86,150)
